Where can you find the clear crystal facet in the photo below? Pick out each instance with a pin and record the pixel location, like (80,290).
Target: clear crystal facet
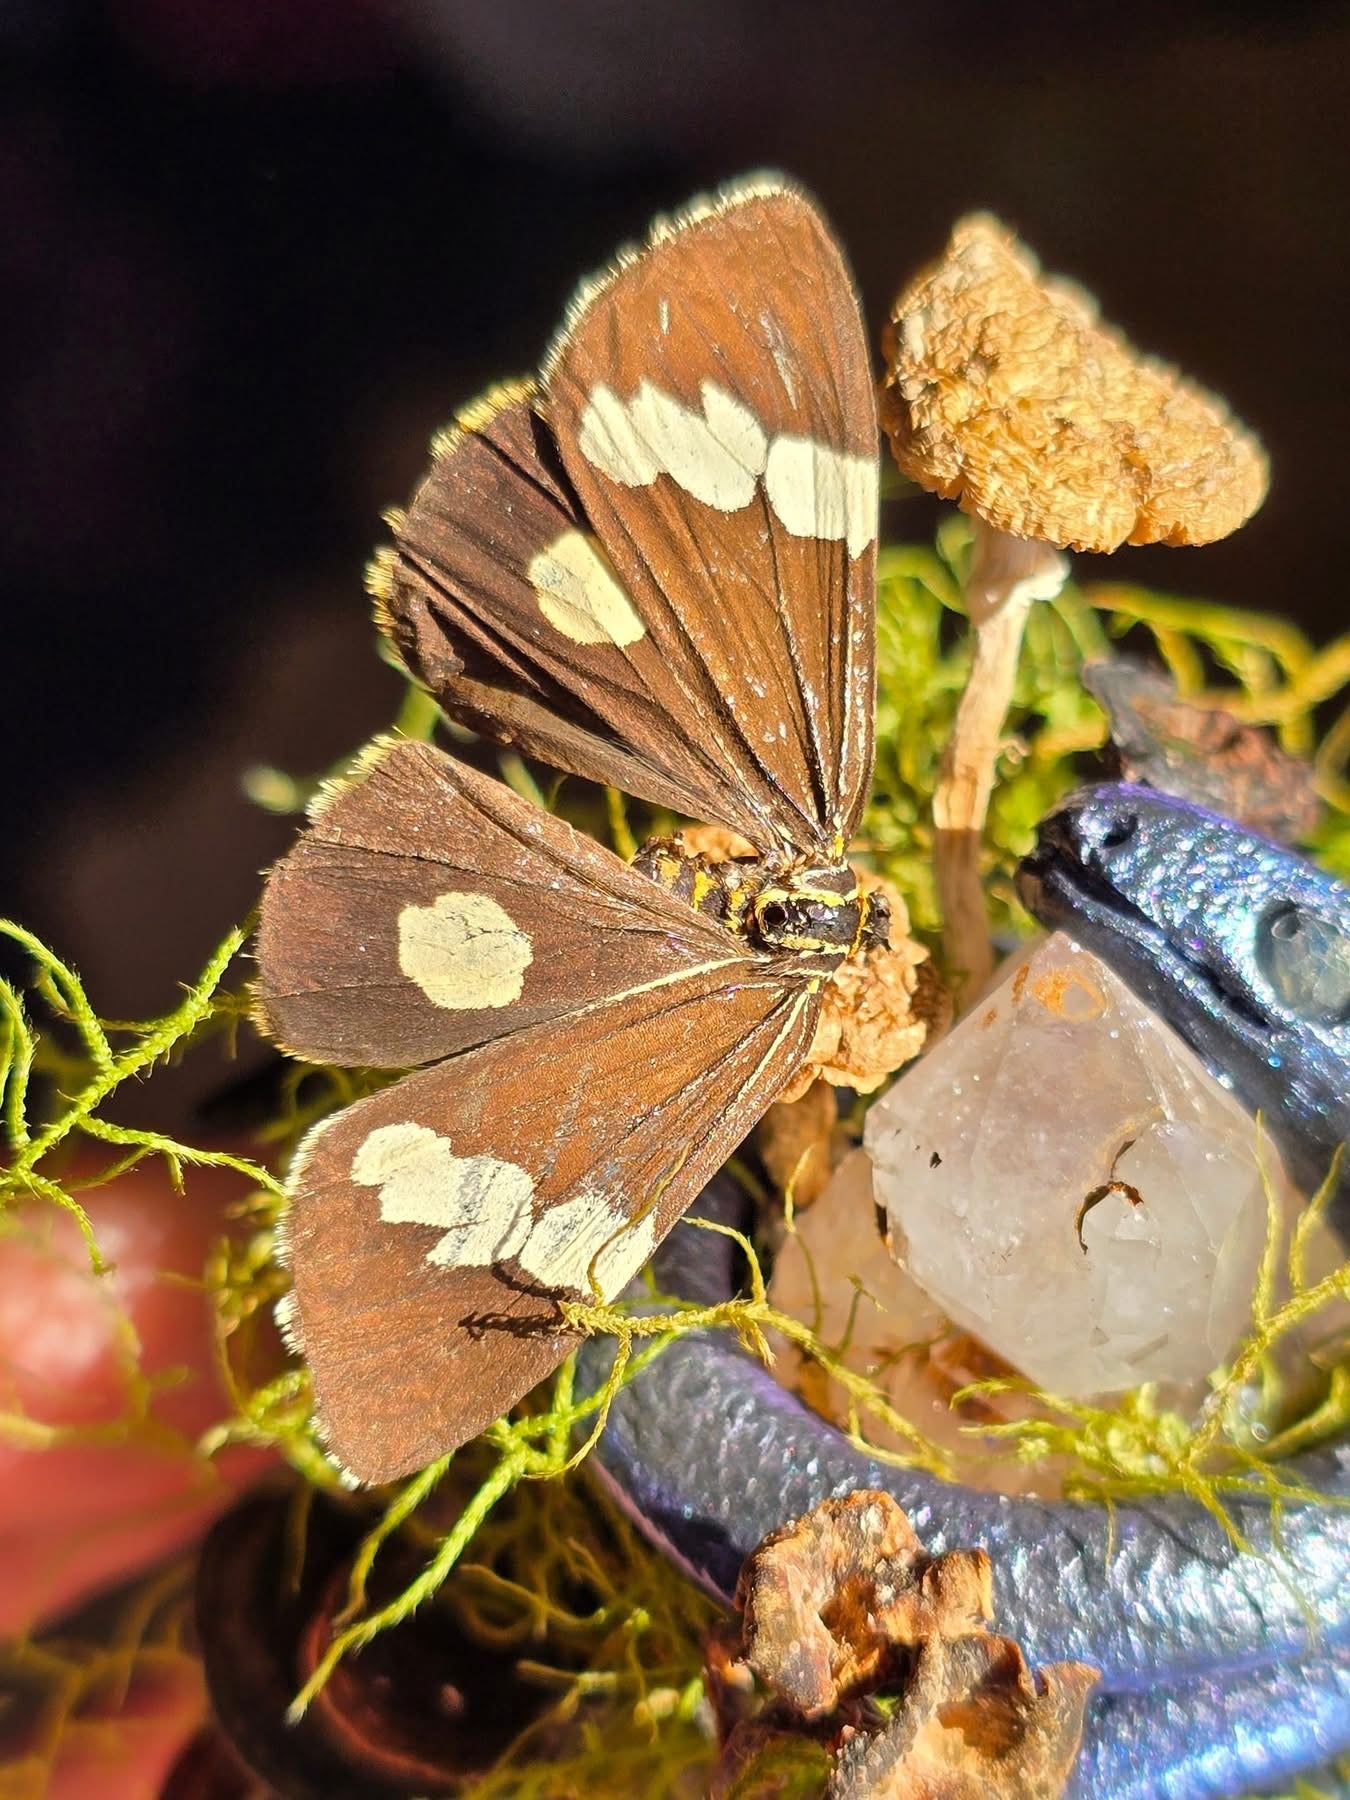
(1067,1181)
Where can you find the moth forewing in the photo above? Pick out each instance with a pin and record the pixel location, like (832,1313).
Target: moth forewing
(429,908)
(666,580)
(435,1225)
(500,599)
(712,400)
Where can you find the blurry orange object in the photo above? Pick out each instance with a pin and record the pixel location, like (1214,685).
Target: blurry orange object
(125,1359)
(127,1751)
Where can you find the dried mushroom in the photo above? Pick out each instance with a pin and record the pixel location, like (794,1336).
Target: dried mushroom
(976,1724)
(1005,393)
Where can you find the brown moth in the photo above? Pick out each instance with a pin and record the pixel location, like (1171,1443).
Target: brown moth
(655,568)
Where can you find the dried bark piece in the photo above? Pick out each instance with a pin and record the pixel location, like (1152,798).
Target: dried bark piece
(829,1599)
(844,1602)
(976,1724)
(1202,753)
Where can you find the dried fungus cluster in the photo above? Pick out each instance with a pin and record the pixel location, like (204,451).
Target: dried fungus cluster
(1006,393)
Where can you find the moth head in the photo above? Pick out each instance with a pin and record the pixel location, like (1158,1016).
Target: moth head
(819,911)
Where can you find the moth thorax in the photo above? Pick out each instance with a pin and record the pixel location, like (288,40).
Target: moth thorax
(815,910)
(820,912)
(721,889)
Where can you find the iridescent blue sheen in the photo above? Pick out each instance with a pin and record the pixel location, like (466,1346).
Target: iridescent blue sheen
(1223,1669)
(1218,1735)
(1239,943)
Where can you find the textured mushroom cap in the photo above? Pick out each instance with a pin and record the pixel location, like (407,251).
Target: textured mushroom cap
(1004,392)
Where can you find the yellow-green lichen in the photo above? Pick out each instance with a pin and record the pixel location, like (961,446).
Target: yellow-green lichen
(66,1693)
(526,1554)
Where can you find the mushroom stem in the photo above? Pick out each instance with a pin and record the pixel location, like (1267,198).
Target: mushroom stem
(1006,574)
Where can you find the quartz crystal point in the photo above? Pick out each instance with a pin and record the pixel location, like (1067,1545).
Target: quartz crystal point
(1068,1182)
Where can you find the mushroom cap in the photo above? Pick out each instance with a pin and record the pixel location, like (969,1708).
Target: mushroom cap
(1004,392)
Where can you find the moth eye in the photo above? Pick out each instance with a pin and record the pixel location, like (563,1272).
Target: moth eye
(774,916)
(1307,961)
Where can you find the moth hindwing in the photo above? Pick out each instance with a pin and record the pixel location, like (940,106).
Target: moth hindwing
(603,1049)
(654,568)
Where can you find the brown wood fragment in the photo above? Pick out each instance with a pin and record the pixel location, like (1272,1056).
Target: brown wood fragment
(843,1605)
(1201,753)
(976,1724)
(828,1599)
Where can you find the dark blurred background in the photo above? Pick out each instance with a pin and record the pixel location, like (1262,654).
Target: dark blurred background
(254,251)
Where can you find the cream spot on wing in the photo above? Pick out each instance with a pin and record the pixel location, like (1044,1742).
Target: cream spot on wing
(479,1203)
(735,428)
(463,951)
(719,455)
(607,439)
(692,453)
(568,1239)
(579,594)
(716,455)
(823,493)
